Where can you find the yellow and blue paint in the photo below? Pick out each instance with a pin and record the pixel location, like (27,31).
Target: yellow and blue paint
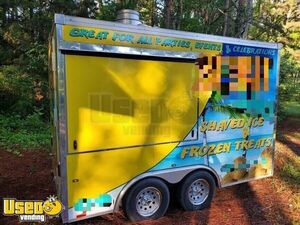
(243,78)
(84,205)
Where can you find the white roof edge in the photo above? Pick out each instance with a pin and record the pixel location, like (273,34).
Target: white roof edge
(79,21)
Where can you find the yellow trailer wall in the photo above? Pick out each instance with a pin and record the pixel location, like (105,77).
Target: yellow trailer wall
(100,172)
(114,102)
(117,103)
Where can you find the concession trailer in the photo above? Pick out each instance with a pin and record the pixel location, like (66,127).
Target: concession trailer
(137,110)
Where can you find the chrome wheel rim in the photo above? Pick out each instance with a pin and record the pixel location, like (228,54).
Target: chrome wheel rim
(148,201)
(198,191)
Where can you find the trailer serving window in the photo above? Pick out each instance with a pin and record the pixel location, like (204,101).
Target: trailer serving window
(117,101)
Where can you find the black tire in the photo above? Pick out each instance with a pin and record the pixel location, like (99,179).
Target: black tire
(185,197)
(131,200)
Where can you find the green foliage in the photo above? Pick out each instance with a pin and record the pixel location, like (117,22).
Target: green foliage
(108,10)
(277,21)
(292,109)
(36,60)
(289,87)
(15,90)
(17,133)
(289,71)
(199,16)
(24,29)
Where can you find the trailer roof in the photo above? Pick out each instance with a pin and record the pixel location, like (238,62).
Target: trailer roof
(144,29)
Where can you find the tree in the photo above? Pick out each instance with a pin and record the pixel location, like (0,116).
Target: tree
(243,18)
(277,21)
(24,29)
(169,12)
(226,8)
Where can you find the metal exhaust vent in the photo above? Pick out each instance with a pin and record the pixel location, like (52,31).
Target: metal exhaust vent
(128,16)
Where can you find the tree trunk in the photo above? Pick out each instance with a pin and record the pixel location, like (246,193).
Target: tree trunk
(249,14)
(243,18)
(153,4)
(258,6)
(179,15)
(225,27)
(169,13)
(4,15)
(239,18)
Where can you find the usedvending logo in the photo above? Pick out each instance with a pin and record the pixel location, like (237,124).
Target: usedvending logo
(32,210)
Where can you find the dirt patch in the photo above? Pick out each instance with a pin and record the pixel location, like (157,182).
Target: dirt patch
(27,176)
(266,201)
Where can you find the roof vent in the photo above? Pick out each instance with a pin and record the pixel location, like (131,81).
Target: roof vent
(128,16)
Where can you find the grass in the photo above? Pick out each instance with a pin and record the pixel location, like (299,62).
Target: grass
(17,133)
(291,172)
(291,108)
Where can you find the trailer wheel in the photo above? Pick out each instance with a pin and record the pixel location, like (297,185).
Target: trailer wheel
(196,191)
(148,199)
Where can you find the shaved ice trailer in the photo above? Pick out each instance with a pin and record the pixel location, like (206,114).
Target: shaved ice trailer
(137,109)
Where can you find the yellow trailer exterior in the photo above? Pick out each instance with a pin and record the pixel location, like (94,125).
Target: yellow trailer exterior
(131,119)
(128,103)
